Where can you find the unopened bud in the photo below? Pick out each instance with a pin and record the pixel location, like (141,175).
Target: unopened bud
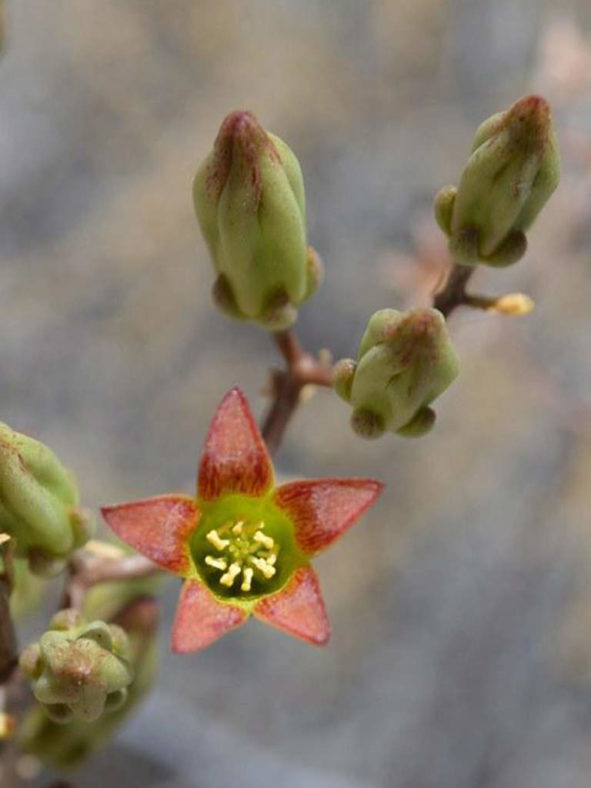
(67,743)
(250,204)
(77,669)
(405,361)
(39,503)
(513,169)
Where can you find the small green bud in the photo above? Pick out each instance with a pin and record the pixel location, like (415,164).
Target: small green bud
(405,361)
(39,503)
(66,744)
(77,669)
(250,203)
(513,169)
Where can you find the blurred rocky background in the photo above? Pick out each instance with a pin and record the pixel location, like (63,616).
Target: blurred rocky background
(461,655)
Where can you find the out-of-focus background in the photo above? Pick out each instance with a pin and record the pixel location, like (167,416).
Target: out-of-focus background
(461,607)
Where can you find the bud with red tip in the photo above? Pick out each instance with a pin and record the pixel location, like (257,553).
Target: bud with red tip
(250,204)
(513,169)
(405,361)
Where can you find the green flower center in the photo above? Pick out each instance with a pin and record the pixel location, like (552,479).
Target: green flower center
(244,547)
(241,549)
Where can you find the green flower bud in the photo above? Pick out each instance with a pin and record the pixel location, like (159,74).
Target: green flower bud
(66,745)
(405,361)
(513,169)
(78,670)
(39,502)
(250,204)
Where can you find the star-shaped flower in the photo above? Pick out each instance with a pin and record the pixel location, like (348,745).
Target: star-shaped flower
(242,545)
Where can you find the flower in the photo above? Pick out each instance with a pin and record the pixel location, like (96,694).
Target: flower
(242,545)
(250,204)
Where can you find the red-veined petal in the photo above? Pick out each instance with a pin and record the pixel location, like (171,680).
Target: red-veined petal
(298,609)
(323,509)
(235,458)
(159,528)
(201,619)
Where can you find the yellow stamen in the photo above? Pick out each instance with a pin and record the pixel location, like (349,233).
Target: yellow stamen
(263,539)
(247,581)
(217,563)
(266,569)
(216,540)
(237,529)
(228,578)
(272,559)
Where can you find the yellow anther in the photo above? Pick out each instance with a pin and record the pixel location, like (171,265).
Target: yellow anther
(237,529)
(247,579)
(264,568)
(227,579)
(263,539)
(272,559)
(217,563)
(216,540)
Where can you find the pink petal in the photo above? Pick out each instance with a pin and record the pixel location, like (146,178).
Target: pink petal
(235,458)
(322,510)
(298,609)
(159,528)
(201,619)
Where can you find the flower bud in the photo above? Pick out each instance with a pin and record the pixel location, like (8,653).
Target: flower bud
(250,204)
(513,169)
(78,670)
(39,502)
(405,361)
(67,744)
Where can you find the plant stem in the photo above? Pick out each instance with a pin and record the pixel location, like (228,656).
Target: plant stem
(87,570)
(8,641)
(301,370)
(453,293)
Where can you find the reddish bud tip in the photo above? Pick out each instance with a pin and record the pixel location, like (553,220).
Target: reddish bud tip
(529,118)
(240,142)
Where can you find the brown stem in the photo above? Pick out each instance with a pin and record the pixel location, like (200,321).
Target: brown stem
(453,293)
(87,570)
(8,641)
(301,370)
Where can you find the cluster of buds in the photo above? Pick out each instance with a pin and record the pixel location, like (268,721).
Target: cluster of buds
(78,669)
(39,502)
(405,361)
(250,204)
(513,169)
